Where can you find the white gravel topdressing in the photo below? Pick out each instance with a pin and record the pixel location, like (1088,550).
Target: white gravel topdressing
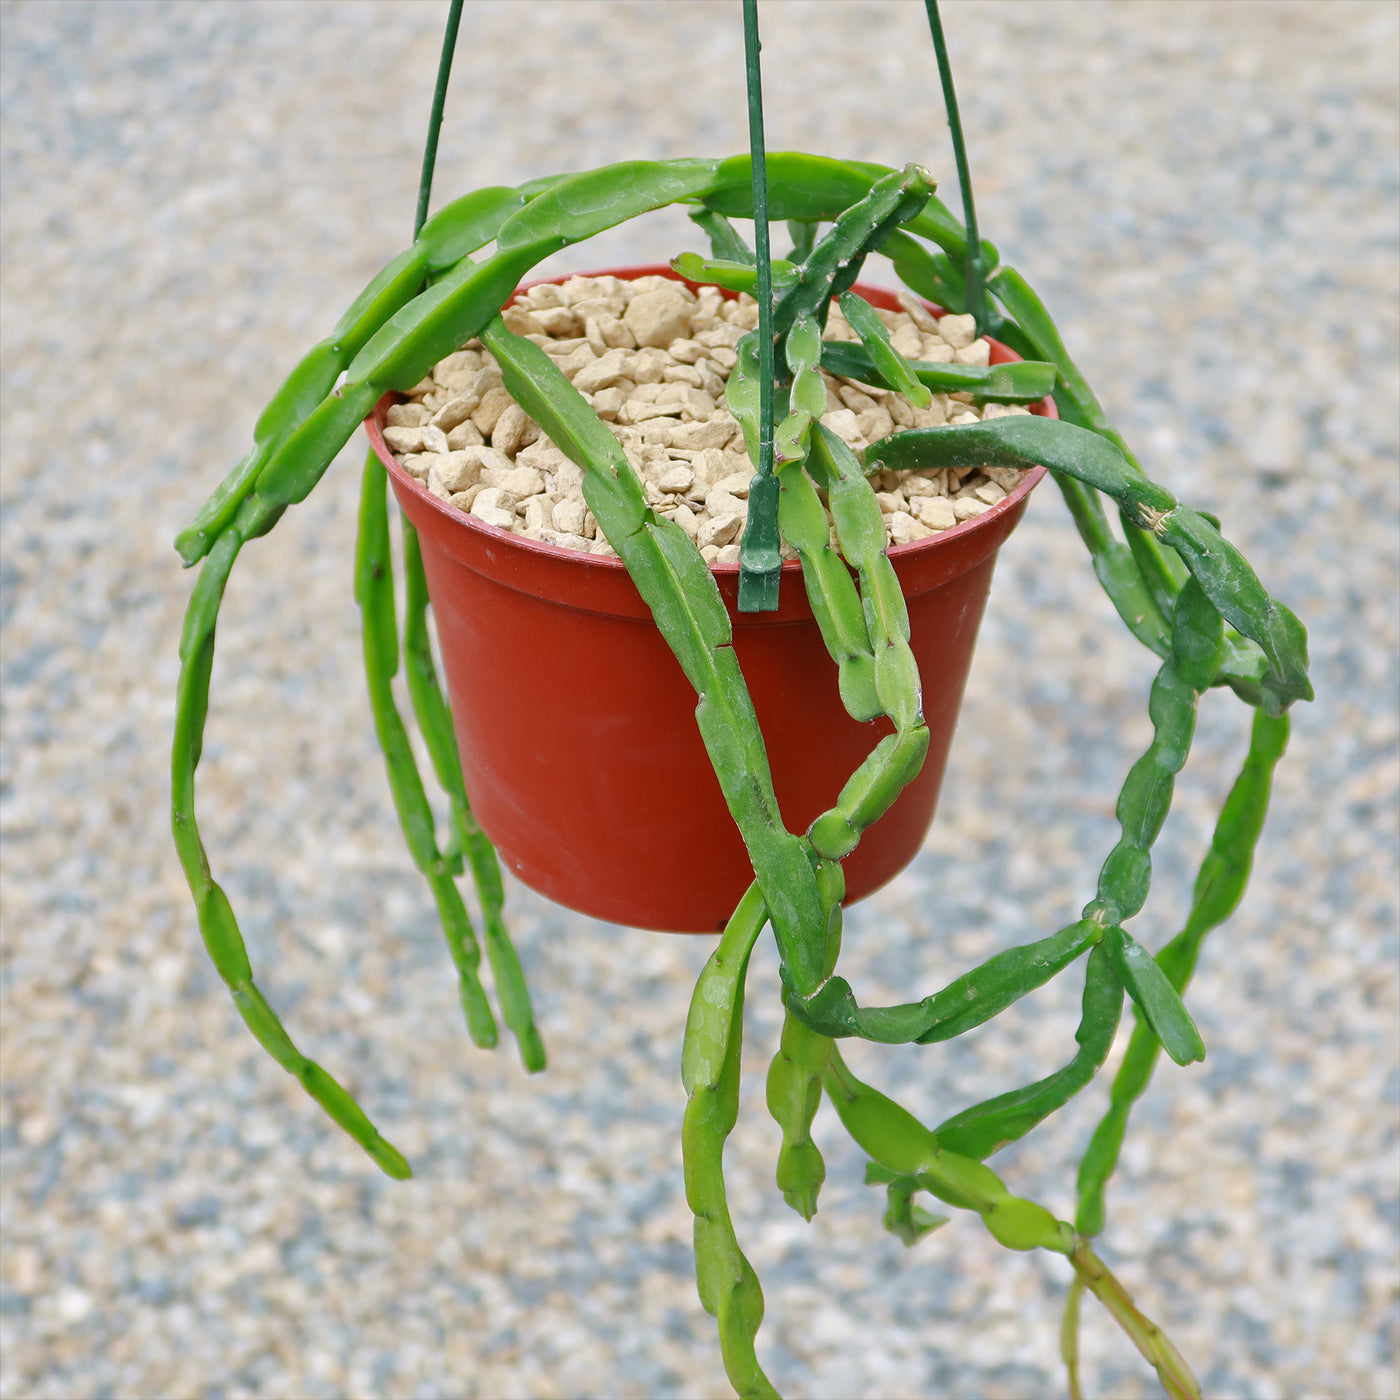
(652,358)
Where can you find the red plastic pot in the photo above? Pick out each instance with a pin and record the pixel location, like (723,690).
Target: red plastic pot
(576,724)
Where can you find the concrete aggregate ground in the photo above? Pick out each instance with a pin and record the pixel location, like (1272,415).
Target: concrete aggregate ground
(1205,195)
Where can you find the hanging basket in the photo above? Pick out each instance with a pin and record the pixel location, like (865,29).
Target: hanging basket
(576,724)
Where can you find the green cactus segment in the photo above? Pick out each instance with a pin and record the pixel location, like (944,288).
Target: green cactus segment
(1221,570)
(1146,795)
(725,243)
(836,605)
(678,587)
(979,1131)
(835,262)
(804,238)
(1022,381)
(374,591)
(870,792)
(390,343)
(579,206)
(803,349)
(892,673)
(729,1288)
(741,392)
(218,925)
(1077,404)
(435,724)
(1219,887)
(1225,871)
(794,1093)
(804,187)
(934,276)
(458,229)
(1155,1347)
(1029,313)
(860,528)
(1152,991)
(1121,579)
(451,235)
(425,690)
(734,276)
(900,1144)
(967,1001)
(894,370)
(905,1220)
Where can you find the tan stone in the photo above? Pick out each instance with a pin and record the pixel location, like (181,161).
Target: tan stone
(521,320)
(403,440)
(965,509)
(904,529)
(676,478)
(456,410)
(716,433)
(538,513)
(658,317)
(937,512)
(405,415)
(569,516)
(513,430)
(906,339)
(874,424)
(464,435)
(957,331)
(918,313)
(521,482)
(720,503)
(608,403)
(496,506)
(494,402)
(720,530)
(455,470)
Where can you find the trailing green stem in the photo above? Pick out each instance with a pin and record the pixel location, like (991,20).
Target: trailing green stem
(1219,887)
(680,590)
(1221,570)
(729,1288)
(374,591)
(217,923)
(905,1151)
(435,724)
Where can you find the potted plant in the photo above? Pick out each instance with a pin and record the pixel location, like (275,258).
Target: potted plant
(1183,590)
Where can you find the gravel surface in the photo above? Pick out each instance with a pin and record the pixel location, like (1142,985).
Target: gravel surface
(675,426)
(1204,193)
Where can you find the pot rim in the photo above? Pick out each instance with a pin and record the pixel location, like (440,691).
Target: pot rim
(989,520)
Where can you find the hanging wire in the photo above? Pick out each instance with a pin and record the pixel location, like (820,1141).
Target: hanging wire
(425,179)
(975,269)
(760,563)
